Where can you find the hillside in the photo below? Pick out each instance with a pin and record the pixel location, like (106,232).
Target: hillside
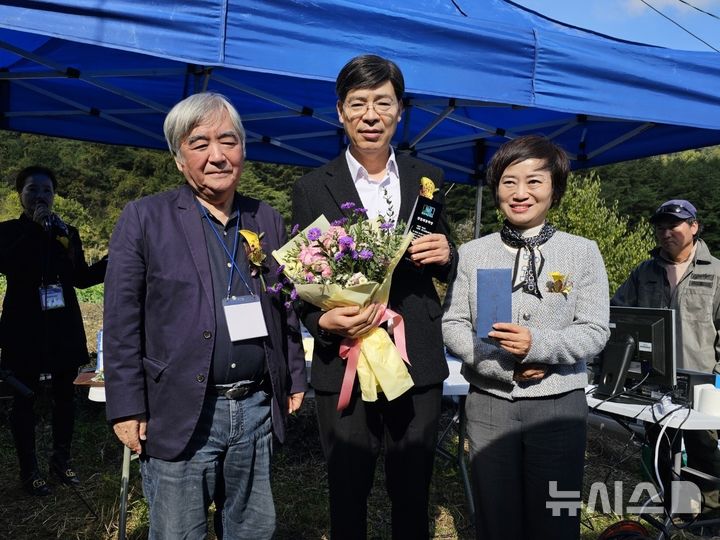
(95,182)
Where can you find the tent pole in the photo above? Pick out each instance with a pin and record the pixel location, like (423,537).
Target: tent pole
(480,152)
(478,208)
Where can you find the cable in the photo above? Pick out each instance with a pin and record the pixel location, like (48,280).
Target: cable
(618,394)
(623,457)
(662,434)
(657,468)
(454,3)
(679,25)
(698,9)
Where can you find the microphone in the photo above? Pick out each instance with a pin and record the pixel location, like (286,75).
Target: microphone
(42,216)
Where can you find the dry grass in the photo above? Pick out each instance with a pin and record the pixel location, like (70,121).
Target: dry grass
(92,512)
(298,476)
(299,481)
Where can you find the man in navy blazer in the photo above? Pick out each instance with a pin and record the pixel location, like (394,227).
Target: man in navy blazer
(371,175)
(183,277)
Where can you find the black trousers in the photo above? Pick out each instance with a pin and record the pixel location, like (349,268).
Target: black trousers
(351,441)
(519,450)
(23,419)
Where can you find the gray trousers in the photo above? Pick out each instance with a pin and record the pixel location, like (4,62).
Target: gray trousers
(517,449)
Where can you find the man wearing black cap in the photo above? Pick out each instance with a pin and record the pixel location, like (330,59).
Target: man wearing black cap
(684,276)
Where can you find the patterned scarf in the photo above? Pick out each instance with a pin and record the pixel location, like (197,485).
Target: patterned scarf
(514,238)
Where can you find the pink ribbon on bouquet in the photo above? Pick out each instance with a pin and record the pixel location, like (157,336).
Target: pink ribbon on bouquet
(350,352)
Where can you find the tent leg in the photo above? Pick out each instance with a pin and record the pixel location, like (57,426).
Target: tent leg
(478,209)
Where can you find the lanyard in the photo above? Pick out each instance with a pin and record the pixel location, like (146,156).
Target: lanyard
(231,257)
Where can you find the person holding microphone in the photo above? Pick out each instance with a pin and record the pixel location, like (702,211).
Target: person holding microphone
(41,328)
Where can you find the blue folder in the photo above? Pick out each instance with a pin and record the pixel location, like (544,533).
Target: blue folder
(494,298)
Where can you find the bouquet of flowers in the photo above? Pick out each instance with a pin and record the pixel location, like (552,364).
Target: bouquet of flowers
(350,262)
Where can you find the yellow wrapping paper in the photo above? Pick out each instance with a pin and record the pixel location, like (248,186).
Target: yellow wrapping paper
(380,366)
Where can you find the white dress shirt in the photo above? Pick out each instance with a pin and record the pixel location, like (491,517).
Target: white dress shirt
(379,197)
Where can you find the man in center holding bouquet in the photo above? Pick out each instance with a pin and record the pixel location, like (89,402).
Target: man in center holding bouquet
(369,175)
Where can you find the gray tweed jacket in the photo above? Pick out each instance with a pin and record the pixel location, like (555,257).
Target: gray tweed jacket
(566,330)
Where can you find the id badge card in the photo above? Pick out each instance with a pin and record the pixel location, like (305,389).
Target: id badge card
(51,297)
(244,316)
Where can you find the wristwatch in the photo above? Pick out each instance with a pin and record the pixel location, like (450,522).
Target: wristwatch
(451,255)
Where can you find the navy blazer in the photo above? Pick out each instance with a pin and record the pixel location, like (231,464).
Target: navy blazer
(159,321)
(412,294)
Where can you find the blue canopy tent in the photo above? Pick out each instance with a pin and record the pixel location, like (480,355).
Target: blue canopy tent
(476,72)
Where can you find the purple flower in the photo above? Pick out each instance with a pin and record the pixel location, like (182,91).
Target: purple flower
(274,289)
(347,205)
(288,305)
(346,242)
(293,295)
(339,255)
(280,270)
(360,211)
(313,234)
(354,254)
(387,225)
(365,254)
(339,222)
(295,229)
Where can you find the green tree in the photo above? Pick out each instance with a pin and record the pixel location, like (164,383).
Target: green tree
(640,186)
(584,212)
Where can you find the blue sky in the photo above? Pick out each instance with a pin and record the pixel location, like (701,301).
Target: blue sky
(635,21)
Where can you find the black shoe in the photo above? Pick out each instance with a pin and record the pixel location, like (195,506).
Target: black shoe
(35,484)
(65,473)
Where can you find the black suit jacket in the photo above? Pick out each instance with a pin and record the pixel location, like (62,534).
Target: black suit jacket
(33,340)
(412,294)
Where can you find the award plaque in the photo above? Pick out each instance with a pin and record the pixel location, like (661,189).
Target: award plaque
(423,219)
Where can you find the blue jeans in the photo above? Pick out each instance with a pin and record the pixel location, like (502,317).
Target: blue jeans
(227,461)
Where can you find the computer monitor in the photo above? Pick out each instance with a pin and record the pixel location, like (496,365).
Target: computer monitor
(640,352)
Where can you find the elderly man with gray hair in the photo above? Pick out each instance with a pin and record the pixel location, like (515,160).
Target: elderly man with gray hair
(201,364)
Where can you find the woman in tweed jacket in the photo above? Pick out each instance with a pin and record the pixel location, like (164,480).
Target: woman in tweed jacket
(526,409)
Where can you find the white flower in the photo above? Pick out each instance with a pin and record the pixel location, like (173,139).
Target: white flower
(358,278)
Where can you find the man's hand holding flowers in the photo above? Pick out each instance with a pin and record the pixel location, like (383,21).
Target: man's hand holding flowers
(345,269)
(351,321)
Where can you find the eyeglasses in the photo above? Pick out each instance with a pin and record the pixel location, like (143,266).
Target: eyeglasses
(357,108)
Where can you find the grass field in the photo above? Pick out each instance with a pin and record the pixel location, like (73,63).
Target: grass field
(299,482)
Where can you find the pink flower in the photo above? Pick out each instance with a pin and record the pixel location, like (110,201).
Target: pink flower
(309,255)
(331,235)
(325,270)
